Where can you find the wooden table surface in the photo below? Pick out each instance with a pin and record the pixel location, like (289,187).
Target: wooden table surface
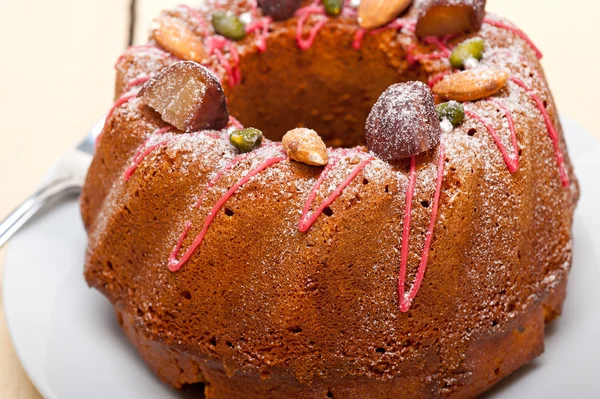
(56,79)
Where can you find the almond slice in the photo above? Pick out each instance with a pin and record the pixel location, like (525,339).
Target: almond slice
(450,17)
(471,85)
(306,146)
(173,35)
(375,13)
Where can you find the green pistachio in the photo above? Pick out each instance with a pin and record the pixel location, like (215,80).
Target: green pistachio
(228,25)
(247,139)
(470,48)
(333,7)
(453,111)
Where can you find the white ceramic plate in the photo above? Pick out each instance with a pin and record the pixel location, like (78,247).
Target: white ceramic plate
(71,346)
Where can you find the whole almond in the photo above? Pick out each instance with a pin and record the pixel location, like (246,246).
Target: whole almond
(306,146)
(471,85)
(375,13)
(173,35)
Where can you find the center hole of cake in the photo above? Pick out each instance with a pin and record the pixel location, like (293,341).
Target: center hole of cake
(329,88)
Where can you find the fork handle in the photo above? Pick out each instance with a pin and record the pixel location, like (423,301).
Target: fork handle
(52,189)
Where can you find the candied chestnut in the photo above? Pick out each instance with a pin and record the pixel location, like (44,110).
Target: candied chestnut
(450,17)
(279,10)
(403,122)
(188,96)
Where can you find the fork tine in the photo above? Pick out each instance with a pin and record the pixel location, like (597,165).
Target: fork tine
(89,142)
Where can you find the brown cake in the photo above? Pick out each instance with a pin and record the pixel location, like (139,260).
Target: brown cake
(387,248)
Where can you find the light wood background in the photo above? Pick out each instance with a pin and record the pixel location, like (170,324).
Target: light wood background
(56,79)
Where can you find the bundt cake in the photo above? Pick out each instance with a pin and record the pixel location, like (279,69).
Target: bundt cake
(332,199)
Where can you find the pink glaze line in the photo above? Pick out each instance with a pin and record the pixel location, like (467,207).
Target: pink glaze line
(313,193)
(196,15)
(406,298)
(214,46)
(122,100)
(551,130)
(306,222)
(139,49)
(139,158)
(177,248)
(307,43)
(136,82)
(174,264)
(438,77)
(410,191)
(358,38)
(395,24)
(262,26)
(230,165)
(512,162)
(517,32)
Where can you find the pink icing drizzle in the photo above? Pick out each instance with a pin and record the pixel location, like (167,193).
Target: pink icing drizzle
(551,130)
(141,48)
(262,26)
(143,152)
(406,298)
(438,77)
(305,221)
(214,46)
(198,18)
(120,101)
(136,82)
(175,264)
(512,161)
(303,14)
(517,32)
(395,24)
(230,165)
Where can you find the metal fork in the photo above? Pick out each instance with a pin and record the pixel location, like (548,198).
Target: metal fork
(67,178)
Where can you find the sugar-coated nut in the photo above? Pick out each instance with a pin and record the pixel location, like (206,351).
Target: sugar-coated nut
(229,25)
(173,35)
(452,111)
(188,96)
(403,122)
(471,85)
(279,10)
(306,146)
(333,7)
(469,49)
(246,139)
(450,17)
(375,13)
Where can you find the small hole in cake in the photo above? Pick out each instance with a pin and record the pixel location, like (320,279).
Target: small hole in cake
(520,152)
(295,329)
(545,104)
(328,211)
(109,265)
(229,212)
(229,344)
(365,181)
(213,341)
(380,350)
(330,394)
(472,132)
(425,204)
(387,188)
(186,294)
